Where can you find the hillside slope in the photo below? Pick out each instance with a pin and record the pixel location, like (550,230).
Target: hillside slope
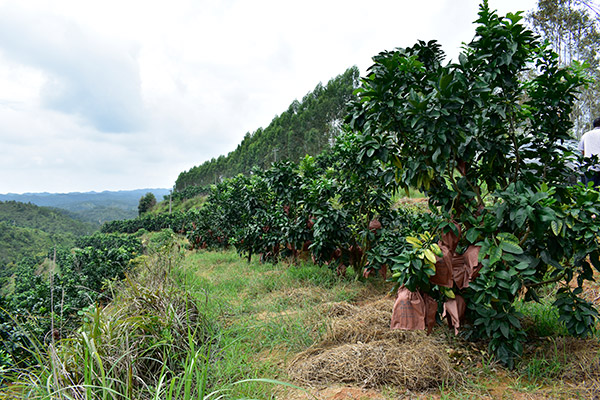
(28,230)
(50,220)
(18,242)
(306,127)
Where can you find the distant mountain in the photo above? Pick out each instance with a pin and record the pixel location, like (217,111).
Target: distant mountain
(94,207)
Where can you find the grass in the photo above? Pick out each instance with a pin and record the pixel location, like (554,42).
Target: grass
(270,311)
(208,325)
(541,319)
(188,325)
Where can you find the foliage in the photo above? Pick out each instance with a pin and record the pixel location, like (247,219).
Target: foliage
(290,209)
(138,346)
(151,222)
(188,192)
(49,291)
(17,243)
(50,220)
(26,229)
(147,201)
(488,148)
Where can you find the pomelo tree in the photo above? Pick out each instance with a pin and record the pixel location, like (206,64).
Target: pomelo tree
(485,138)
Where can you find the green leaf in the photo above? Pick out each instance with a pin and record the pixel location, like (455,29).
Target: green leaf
(522,266)
(472,235)
(520,217)
(495,254)
(511,247)
(514,288)
(444,81)
(504,329)
(509,243)
(506,236)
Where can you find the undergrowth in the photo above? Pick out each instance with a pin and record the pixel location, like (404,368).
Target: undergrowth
(208,325)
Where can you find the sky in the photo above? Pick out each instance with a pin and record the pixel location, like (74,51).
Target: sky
(122,95)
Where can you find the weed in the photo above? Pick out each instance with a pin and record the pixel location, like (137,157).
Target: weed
(541,319)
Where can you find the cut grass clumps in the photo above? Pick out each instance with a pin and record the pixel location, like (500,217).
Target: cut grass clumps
(360,349)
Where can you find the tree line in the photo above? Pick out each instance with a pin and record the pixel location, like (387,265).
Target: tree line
(306,127)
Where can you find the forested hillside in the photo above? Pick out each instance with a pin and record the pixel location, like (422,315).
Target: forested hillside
(28,230)
(51,220)
(17,242)
(306,127)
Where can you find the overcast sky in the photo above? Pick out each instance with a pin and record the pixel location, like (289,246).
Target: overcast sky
(119,95)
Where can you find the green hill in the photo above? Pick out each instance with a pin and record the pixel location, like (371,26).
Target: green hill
(50,220)
(92,207)
(28,230)
(18,242)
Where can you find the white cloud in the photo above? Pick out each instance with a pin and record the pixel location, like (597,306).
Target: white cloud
(84,75)
(180,82)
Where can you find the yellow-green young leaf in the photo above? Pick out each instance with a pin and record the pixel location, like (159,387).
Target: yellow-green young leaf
(447,292)
(414,241)
(425,236)
(430,255)
(569,225)
(436,249)
(556,227)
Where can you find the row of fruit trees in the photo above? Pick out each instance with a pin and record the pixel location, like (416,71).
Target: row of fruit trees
(485,139)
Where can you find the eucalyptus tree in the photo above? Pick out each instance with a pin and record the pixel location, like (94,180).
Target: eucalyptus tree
(572,27)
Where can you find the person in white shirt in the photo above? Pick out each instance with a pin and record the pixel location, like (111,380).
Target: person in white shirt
(590,146)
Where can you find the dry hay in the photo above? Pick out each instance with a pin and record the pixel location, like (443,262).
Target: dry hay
(338,309)
(361,349)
